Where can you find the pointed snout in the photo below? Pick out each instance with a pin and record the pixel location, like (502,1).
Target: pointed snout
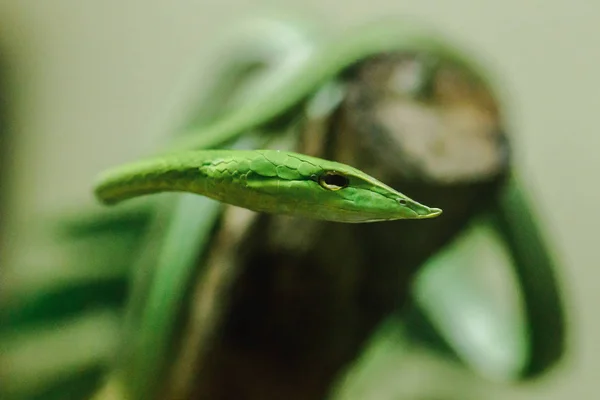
(422,211)
(427,212)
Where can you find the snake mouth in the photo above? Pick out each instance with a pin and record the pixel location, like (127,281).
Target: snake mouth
(432,213)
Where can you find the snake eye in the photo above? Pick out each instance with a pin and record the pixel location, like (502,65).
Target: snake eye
(333,181)
(402,202)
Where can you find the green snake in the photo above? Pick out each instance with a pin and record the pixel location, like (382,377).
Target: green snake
(295,66)
(269,181)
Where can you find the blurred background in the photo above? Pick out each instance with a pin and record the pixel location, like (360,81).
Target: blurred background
(92,84)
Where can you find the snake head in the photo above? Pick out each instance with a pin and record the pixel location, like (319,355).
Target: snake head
(301,185)
(362,198)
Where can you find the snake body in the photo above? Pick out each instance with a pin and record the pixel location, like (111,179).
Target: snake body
(282,182)
(321,64)
(296,67)
(270,181)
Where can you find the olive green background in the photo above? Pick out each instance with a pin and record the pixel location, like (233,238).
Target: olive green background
(95,83)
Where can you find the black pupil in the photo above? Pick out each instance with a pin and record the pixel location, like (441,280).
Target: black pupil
(335,180)
(402,202)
